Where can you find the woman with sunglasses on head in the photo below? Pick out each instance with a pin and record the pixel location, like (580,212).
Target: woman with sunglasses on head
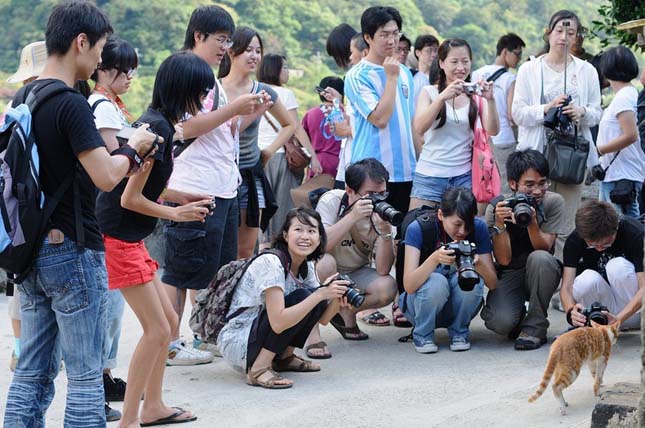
(256,200)
(540,87)
(129,214)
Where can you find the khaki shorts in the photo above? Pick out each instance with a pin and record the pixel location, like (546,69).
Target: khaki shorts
(14,305)
(363,277)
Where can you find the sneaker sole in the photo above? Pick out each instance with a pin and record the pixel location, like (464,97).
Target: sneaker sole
(426,351)
(459,348)
(215,353)
(188,363)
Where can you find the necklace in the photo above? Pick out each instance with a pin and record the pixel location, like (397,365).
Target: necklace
(115,100)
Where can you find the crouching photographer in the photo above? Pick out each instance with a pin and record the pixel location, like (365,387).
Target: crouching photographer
(603,266)
(444,273)
(523,229)
(359,225)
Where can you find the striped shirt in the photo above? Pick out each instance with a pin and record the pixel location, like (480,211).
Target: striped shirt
(393,145)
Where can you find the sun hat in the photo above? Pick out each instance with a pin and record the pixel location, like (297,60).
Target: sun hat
(32,62)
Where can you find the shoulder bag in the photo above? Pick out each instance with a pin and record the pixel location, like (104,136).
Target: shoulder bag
(297,158)
(486,181)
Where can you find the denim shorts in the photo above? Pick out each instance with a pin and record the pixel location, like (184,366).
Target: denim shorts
(433,188)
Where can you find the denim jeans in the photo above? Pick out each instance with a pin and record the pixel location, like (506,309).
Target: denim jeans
(114,314)
(630,210)
(63,312)
(438,303)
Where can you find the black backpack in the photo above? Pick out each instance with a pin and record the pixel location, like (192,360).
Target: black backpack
(25,210)
(426,216)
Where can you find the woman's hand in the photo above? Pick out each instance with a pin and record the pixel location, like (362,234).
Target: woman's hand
(487,89)
(444,256)
(333,288)
(316,167)
(265,156)
(556,102)
(574,113)
(453,90)
(194,211)
(331,94)
(179,132)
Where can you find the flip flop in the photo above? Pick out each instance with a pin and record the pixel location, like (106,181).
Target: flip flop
(399,319)
(338,323)
(377,319)
(320,345)
(169,420)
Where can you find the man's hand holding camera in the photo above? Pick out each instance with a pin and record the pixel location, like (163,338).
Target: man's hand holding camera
(362,208)
(142,140)
(579,316)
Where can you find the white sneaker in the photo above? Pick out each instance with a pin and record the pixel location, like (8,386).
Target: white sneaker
(180,355)
(205,346)
(459,343)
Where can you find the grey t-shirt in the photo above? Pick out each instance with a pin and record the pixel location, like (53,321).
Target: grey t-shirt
(249,150)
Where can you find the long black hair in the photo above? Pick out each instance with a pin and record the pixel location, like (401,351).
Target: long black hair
(462,202)
(338,43)
(444,49)
(270,68)
(241,40)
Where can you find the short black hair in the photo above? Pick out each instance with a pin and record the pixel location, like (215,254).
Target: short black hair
(462,202)
(208,20)
(510,42)
(360,42)
(405,40)
(521,161)
(423,41)
(117,55)
(338,43)
(358,172)
(334,82)
(270,68)
(241,40)
(619,64)
(181,80)
(376,17)
(305,215)
(70,19)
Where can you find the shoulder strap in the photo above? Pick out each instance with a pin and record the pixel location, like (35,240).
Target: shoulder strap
(270,122)
(180,146)
(493,77)
(97,102)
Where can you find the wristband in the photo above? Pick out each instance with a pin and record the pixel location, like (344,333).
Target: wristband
(386,236)
(132,155)
(569,316)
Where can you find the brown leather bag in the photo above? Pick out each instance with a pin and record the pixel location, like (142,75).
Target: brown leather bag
(297,158)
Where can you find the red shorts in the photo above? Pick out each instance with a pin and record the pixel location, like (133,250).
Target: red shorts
(128,263)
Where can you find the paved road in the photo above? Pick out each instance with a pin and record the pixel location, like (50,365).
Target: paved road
(376,383)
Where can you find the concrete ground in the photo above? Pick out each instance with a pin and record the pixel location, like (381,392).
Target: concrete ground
(376,383)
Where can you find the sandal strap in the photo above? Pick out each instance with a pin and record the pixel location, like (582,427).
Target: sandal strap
(319,345)
(255,376)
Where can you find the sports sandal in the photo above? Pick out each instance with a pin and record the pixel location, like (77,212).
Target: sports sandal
(356,334)
(294,363)
(253,379)
(320,345)
(172,419)
(376,318)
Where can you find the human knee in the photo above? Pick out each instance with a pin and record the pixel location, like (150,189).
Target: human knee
(539,259)
(436,288)
(619,269)
(326,266)
(501,319)
(384,288)
(586,283)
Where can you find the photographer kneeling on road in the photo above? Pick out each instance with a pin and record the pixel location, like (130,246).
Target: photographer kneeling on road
(603,262)
(446,287)
(356,235)
(523,229)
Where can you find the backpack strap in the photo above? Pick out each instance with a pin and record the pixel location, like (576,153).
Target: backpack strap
(181,145)
(97,102)
(493,77)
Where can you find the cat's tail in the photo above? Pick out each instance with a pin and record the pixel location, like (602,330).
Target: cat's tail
(546,378)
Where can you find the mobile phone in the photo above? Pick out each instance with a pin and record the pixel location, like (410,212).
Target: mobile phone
(319,89)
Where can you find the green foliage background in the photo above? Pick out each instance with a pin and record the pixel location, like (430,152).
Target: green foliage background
(296,28)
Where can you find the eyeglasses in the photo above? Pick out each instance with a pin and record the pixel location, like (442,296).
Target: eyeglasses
(383,194)
(518,54)
(542,185)
(395,35)
(224,41)
(605,243)
(130,73)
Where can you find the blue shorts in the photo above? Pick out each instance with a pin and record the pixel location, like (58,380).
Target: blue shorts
(433,188)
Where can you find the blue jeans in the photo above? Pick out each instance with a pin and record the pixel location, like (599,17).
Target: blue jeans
(438,303)
(63,311)
(114,314)
(433,188)
(630,210)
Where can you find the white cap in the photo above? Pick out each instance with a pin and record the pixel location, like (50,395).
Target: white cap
(32,62)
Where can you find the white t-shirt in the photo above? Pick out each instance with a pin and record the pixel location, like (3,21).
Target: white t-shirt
(502,87)
(345,156)
(421,80)
(209,164)
(266,134)
(630,162)
(447,151)
(107,115)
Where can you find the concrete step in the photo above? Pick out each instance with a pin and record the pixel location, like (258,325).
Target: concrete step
(617,407)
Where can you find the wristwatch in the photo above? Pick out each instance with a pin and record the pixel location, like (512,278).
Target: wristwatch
(499,230)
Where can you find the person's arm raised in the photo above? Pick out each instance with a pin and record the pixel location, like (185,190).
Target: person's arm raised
(381,115)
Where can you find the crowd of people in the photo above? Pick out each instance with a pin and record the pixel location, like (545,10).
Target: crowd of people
(208,157)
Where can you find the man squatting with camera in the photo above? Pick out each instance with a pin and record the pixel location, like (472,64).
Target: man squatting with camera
(523,229)
(355,233)
(603,267)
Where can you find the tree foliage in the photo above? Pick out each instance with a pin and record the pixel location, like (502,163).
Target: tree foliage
(614,13)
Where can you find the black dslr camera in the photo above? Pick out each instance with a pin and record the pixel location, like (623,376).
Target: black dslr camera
(385,210)
(521,205)
(594,313)
(354,296)
(464,252)
(598,173)
(556,120)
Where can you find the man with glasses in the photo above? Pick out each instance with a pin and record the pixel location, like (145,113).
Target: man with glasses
(426,48)
(356,236)
(509,53)
(526,267)
(603,262)
(380,91)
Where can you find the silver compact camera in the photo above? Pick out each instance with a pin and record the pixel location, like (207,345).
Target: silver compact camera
(472,88)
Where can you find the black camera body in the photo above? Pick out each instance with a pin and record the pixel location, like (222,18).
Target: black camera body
(556,120)
(386,211)
(521,204)
(354,296)
(594,313)
(464,252)
(598,172)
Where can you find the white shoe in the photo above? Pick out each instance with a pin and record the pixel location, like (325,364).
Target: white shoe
(459,343)
(205,346)
(180,355)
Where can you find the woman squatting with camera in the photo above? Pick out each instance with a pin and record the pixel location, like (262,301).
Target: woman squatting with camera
(446,115)
(445,288)
(277,303)
(540,87)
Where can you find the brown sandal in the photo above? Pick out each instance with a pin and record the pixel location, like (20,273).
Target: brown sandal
(294,363)
(253,379)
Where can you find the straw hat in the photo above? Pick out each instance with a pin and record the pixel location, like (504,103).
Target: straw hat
(32,62)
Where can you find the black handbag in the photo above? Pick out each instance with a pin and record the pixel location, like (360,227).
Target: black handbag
(567,157)
(624,192)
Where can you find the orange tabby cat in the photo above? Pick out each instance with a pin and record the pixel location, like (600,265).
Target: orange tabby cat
(570,351)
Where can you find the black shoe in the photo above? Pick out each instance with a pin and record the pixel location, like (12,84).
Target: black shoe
(528,343)
(114,388)
(111,414)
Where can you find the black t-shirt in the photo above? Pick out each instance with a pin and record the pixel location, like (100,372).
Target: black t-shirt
(130,226)
(628,244)
(64,128)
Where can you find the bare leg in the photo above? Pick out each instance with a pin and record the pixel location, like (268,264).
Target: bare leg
(325,267)
(246,237)
(15,326)
(265,359)
(177,298)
